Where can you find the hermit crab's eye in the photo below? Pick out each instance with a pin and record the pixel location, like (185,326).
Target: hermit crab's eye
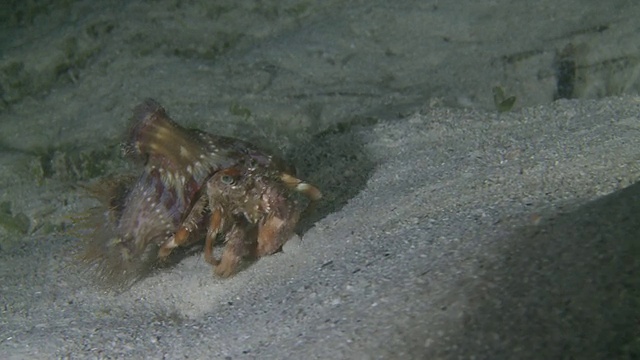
(227,179)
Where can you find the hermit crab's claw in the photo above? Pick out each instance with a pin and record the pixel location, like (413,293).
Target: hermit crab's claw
(284,213)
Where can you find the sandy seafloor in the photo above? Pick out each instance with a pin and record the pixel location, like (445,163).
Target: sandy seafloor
(448,230)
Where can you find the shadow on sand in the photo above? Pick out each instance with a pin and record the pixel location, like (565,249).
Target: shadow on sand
(567,288)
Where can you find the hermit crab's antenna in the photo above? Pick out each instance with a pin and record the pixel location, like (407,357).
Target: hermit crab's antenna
(308,190)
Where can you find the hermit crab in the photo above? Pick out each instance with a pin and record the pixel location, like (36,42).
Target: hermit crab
(252,207)
(190,181)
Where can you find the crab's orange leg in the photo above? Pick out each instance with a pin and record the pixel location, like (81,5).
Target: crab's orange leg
(215,227)
(189,224)
(236,248)
(179,238)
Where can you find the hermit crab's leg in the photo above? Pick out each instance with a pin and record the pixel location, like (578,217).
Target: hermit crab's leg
(180,237)
(187,226)
(236,248)
(215,227)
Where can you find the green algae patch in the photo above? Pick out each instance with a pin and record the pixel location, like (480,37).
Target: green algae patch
(19,222)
